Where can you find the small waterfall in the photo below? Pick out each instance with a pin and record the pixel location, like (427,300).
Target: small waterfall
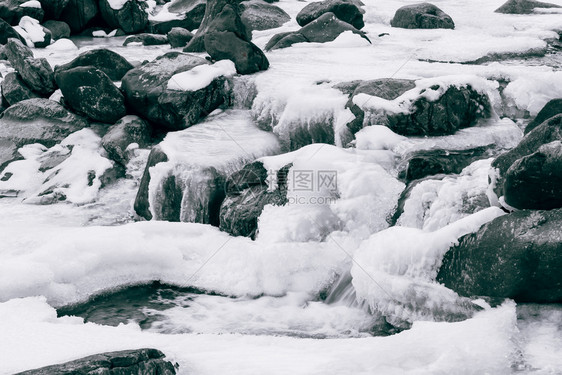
(342,292)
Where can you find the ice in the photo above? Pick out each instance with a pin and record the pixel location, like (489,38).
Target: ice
(201,76)
(163,14)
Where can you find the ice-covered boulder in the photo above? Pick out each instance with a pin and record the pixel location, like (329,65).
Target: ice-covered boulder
(550,109)
(7,32)
(78,13)
(38,121)
(109,62)
(14,90)
(58,29)
(34,34)
(91,92)
(128,15)
(222,41)
(36,73)
(137,361)
(325,28)
(422,16)
(128,130)
(152,91)
(344,10)
(535,180)
(179,37)
(523,6)
(146,39)
(12,11)
(259,15)
(186,14)
(514,256)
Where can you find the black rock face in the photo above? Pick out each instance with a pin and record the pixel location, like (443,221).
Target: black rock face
(131,18)
(109,62)
(422,16)
(550,109)
(342,9)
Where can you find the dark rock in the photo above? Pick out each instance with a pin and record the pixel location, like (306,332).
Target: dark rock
(7,32)
(259,15)
(342,9)
(11,11)
(146,92)
(246,196)
(58,29)
(125,362)
(109,62)
(548,131)
(131,18)
(535,180)
(129,129)
(91,92)
(523,6)
(422,16)
(222,42)
(53,8)
(78,13)
(325,28)
(191,12)
(551,109)
(146,39)
(179,37)
(8,152)
(142,204)
(38,121)
(212,10)
(15,90)
(514,256)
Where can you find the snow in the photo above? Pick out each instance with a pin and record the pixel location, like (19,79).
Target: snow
(201,76)
(31,4)
(162,14)
(30,29)
(117,4)
(62,45)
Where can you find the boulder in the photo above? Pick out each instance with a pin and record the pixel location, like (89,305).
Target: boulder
(146,39)
(8,152)
(137,361)
(91,92)
(128,130)
(259,15)
(535,180)
(36,73)
(58,29)
(53,8)
(548,131)
(325,28)
(551,109)
(109,62)
(34,34)
(344,10)
(246,196)
(523,6)
(146,92)
(131,17)
(78,13)
(14,90)
(142,203)
(189,14)
(7,32)
(38,121)
(179,37)
(222,42)
(212,11)
(514,256)
(422,16)
(12,11)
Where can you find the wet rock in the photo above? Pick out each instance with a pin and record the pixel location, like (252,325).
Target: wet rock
(131,17)
(58,29)
(146,92)
(53,8)
(38,121)
(137,361)
(535,180)
(128,130)
(78,14)
(422,16)
(36,73)
(523,6)
(551,109)
(325,28)
(11,11)
(259,15)
(190,13)
(344,10)
(109,62)
(179,37)
(91,92)
(212,10)
(142,204)
(7,32)
(223,42)
(15,90)
(514,256)
(146,39)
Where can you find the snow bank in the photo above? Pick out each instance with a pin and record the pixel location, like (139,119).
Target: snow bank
(201,76)
(30,29)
